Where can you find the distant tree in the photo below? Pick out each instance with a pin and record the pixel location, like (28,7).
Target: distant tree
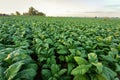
(18,13)
(33,11)
(1,14)
(41,14)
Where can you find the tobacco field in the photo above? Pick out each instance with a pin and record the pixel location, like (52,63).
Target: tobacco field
(59,48)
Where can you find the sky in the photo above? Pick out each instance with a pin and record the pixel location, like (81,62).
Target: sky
(84,8)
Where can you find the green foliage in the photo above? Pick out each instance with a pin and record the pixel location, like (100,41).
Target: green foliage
(80,60)
(92,57)
(59,48)
(80,70)
(17,13)
(12,70)
(17,65)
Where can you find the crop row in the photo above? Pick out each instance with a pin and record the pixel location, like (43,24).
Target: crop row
(38,48)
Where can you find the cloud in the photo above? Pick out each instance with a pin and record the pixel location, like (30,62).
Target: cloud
(94,12)
(114,7)
(101,12)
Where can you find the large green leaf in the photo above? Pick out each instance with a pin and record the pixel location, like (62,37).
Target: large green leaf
(108,39)
(70,68)
(20,56)
(113,52)
(72,51)
(80,70)
(27,74)
(92,57)
(31,65)
(99,77)
(99,67)
(108,74)
(2,77)
(108,58)
(62,71)
(117,67)
(78,53)
(62,51)
(17,55)
(54,68)
(7,50)
(13,69)
(46,74)
(80,60)
(2,56)
(80,77)
(48,41)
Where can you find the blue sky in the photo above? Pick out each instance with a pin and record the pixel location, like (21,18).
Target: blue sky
(88,8)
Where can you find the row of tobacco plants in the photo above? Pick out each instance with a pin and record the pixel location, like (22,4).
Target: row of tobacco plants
(38,48)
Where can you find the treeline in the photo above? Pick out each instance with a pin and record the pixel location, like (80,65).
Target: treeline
(3,14)
(31,11)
